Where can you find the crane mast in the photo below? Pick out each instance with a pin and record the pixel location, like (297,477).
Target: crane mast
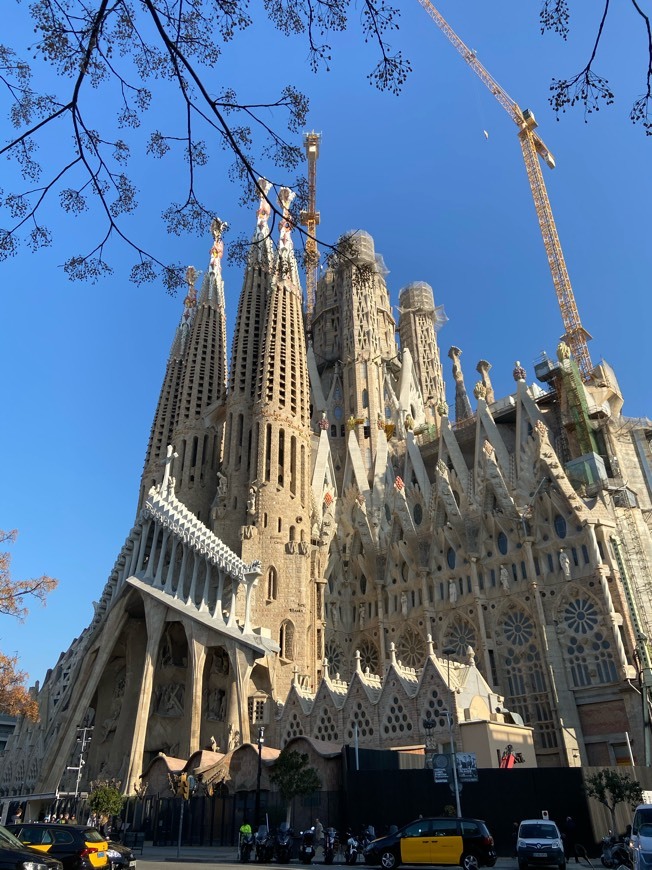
(310,220)
(532,147)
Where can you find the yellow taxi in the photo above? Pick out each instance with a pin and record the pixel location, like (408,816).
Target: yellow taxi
(78,847)
(446,841)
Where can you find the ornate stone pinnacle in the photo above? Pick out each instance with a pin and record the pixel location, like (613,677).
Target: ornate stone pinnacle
(563,351)
(519,372)
(264,207)
(442,408)
(218,228)
(480,391)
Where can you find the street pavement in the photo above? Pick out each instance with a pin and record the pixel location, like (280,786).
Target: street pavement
(166,858)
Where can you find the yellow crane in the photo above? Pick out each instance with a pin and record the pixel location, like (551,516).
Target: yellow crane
(576,336)
(310,220)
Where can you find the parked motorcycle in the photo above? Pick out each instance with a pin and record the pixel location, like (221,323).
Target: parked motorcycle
(614,852)
(330,840)
(307,847)
(356,844)
(283,844)
(246,847)
(264,845)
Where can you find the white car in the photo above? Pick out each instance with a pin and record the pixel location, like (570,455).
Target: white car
(539,842)
(640,841)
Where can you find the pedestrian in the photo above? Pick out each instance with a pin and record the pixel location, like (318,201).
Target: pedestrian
(570,837)
(319,834)
(17,816)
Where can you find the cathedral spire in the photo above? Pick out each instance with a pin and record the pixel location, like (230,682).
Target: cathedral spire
(165,416)
(286,263)
(197,438)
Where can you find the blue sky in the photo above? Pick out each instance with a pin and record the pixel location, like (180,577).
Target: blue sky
(83,363)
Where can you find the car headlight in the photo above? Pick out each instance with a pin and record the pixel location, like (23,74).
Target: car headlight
(34,865)
(113,853)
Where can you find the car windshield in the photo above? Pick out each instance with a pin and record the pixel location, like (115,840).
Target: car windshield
(7,837)
(538,832)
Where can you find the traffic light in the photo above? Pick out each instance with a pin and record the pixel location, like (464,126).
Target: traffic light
(184,786)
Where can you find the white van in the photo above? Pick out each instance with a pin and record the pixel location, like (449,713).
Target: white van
(640,841)
(539,842)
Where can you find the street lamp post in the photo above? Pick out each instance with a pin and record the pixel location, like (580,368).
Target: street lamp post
(260,741)
(448,652)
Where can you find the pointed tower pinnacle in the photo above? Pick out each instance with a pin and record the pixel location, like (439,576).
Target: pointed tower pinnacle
(165,416)
(287,264)
(462,405)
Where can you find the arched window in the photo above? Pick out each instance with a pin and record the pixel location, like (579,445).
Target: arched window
(272,584)
(286,640)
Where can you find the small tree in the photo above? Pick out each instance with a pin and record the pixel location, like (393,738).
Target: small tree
(294,776)
(15,698)
(106,799)
(612,788)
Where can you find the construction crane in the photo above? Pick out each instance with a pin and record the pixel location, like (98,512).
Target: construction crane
(310,220)
(576,336)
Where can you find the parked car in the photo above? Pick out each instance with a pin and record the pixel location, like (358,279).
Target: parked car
(640,839)
(446,841)
(121,857)
(78,847)
(539,842)
(15,856)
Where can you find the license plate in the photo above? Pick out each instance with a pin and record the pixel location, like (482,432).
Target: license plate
(540,855)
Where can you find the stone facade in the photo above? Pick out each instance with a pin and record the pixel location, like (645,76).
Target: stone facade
(320,549)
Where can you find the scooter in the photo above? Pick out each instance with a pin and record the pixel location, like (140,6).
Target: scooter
(283,844)
(307,847)
(351,848)
(614,852)
(330,839)
(246,847)
(264,845)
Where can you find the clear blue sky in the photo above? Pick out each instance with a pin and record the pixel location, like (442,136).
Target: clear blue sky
(83,364)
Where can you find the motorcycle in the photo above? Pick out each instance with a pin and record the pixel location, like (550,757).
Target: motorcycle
(307,847)
(264,845)
(355,845)
(330,840)
(614,852)
(246,847)
(283,844)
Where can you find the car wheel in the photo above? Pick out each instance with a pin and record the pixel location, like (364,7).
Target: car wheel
(388,861)
(469,861)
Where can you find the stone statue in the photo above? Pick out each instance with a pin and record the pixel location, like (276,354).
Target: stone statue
(251,500)
(452,591)
(222,485)
(404,604)
(564,563)
(361,615)
(504,578)
(335,615)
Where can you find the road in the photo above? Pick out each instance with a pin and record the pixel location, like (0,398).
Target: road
(165,859)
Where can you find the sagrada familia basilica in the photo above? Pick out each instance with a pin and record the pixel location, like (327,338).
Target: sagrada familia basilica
(323,547)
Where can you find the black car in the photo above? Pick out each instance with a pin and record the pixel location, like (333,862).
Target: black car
(446,841)
(78,847)
(121,857)
(15,856)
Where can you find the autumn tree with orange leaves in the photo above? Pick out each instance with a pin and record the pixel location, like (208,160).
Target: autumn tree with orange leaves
(15,699)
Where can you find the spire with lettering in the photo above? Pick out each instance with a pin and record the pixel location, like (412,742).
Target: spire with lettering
(165,417)
(198,434)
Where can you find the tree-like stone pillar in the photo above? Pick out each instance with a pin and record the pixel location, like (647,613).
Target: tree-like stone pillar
(483,368)
(231,622)
(251,578)
(462,405)
(194,692)
(155,621)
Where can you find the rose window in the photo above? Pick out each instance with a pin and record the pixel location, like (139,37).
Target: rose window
(333,655)
(369,656)
(411,650)
(461,635)
(518,628)
(581,616)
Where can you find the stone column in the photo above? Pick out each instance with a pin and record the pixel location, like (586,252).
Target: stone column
(194,693)
(155,621)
